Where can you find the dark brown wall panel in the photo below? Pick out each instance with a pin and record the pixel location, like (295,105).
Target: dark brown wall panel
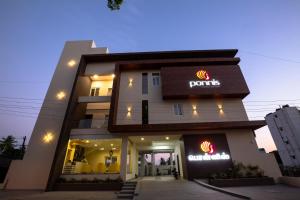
(176,82)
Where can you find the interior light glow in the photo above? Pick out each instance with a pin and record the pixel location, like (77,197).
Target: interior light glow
(142,138)
(167,138)
(113,75)
(95,76)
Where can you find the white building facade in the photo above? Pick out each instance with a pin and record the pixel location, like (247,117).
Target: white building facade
(284,125)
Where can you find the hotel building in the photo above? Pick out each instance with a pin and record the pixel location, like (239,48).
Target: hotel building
(110,115)
(284,125)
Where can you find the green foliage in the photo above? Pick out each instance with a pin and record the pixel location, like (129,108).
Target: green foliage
(239,170)
(7,145)
(114,4)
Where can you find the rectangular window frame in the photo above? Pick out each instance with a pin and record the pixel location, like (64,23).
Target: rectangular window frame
(95,91)
(155,79)
(144,83)
(178,109)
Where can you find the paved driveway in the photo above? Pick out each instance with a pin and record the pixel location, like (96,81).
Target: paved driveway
(34,195)
(167,188)
(274,192)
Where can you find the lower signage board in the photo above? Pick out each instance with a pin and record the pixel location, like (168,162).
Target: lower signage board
(206,154)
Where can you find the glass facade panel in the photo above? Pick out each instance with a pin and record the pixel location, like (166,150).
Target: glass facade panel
(101,156)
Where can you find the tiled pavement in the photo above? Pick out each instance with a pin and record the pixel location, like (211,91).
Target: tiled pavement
(153,188)
(34,195)
(273,192)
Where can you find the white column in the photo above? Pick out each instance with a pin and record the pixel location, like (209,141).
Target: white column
(142,172)
(123,164)
(153,164)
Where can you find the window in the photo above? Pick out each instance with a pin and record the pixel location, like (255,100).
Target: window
(144,83)
(95,91)
(145,115)
(155,79)
(178,109)
(109,91)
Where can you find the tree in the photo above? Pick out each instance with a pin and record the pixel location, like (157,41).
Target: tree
(114,4)
(7,145)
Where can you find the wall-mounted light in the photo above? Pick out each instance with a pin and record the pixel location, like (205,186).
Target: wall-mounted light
(167,138)
(48,137)
(95,76)
(71,63)
(194,109)
(130,82)
(60,95)
(129,109)
(220,109)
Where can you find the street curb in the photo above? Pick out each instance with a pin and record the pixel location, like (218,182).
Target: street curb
(221,190)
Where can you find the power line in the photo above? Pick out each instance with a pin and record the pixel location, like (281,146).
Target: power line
(270,57)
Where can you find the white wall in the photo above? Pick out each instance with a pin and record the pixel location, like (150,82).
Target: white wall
(243,148)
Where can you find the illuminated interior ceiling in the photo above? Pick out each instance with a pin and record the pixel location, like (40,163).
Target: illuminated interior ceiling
(103,143)
(109,77)
(159,142)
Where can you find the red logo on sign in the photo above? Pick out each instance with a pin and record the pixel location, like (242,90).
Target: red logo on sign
(207,147)
(202,74)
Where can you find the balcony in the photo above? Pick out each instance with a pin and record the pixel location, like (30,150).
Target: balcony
(94,99)
(93,123)
(90,127)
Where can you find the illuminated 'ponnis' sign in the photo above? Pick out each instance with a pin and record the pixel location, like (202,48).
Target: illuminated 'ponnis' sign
(205,80)
(217,156)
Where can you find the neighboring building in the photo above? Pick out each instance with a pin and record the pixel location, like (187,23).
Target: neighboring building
(284,125)
(146,113)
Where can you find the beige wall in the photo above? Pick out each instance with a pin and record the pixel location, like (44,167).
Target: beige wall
(243,148)
(162,111)
(33,171)
(133,161)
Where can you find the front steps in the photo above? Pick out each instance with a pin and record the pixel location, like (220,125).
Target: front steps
(127,191)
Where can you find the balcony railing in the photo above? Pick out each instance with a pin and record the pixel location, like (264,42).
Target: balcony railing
(94,99)
(93,123)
